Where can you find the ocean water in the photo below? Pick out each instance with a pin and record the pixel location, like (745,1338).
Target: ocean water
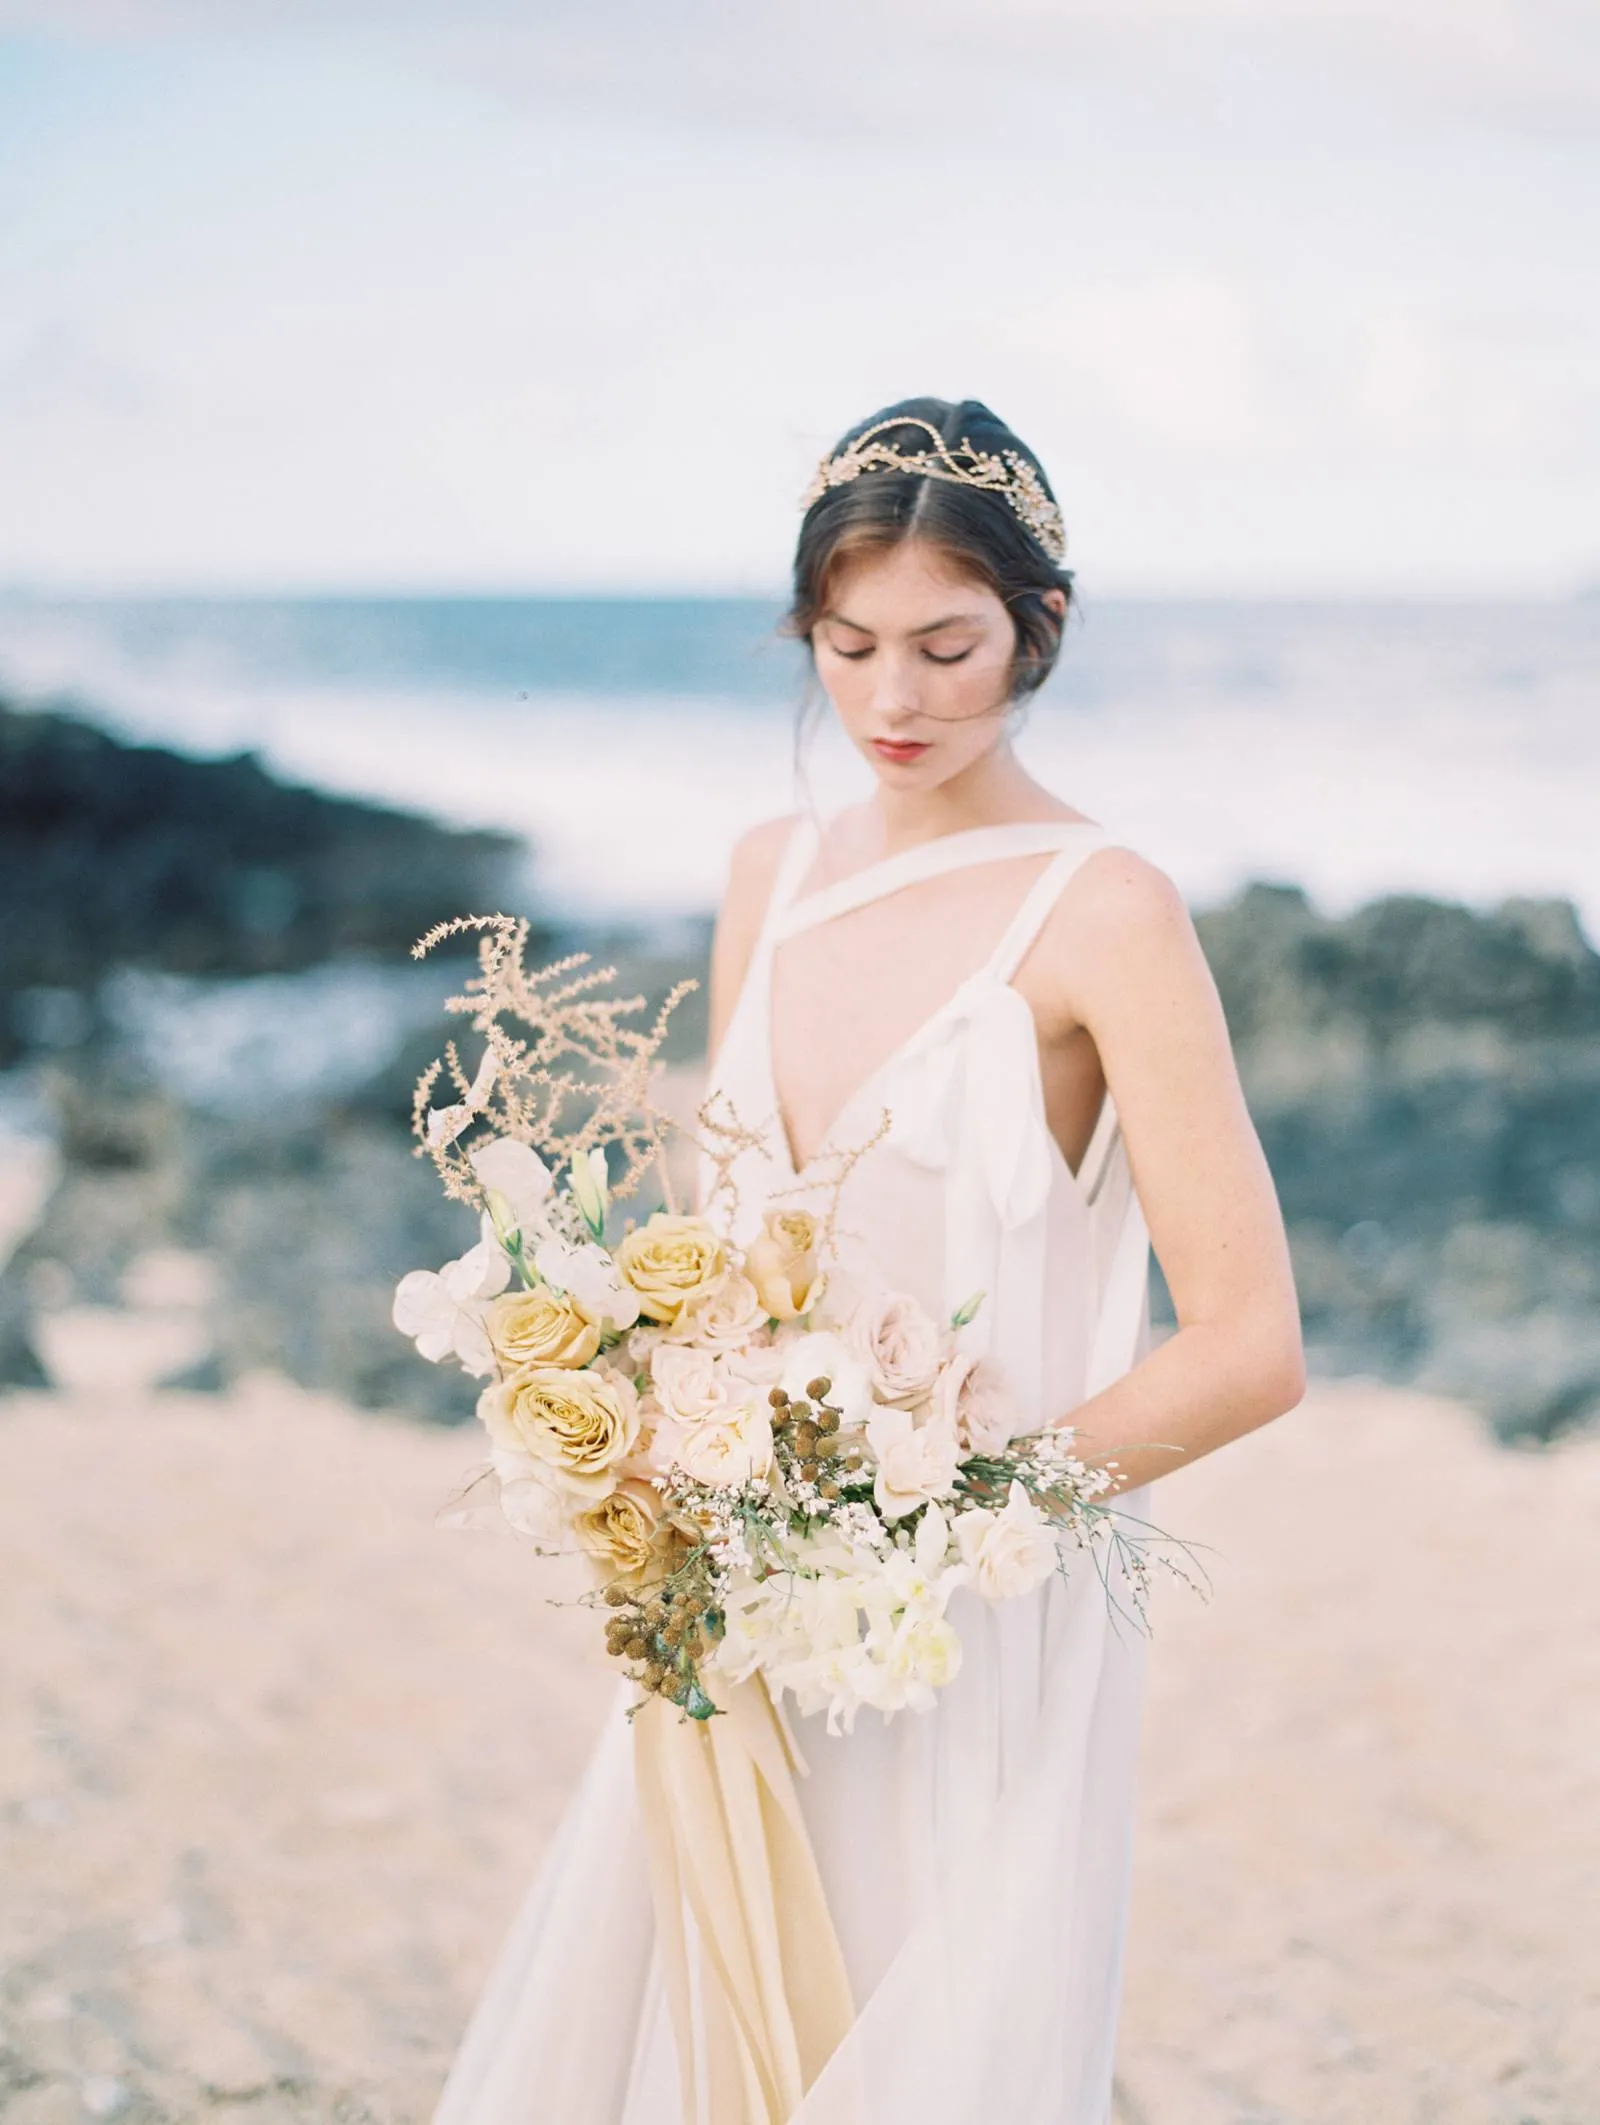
(1355,749)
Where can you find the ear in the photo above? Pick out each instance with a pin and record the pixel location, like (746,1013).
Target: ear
(1054,601)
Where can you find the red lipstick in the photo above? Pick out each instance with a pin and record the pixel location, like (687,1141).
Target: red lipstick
(901,750)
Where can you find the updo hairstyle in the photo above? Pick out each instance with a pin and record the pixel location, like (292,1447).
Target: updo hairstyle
(977,531)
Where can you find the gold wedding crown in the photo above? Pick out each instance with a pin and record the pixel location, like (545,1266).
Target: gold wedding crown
(1006,473)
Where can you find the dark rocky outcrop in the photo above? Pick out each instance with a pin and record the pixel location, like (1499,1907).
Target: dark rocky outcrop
(1426,1080)
(116,855)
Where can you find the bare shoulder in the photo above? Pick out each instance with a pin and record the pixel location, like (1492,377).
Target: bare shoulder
(1120,936)
(1120,899)
(754,863)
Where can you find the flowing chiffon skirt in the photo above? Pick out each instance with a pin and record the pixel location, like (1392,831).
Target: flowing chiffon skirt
(975,1860)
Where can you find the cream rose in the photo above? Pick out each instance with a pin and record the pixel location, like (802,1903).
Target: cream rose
(971,1395)
(901,1346)
(689,1384)
(783,1264)
(540,1327)
(729,1451)
(1009,1552)
(669,1261)
(915,1463)
(621,1527)
(722,1317)
(579,1424)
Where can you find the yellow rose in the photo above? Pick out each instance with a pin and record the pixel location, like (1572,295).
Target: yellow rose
(669,1261)
(621,1528)
(578,1424)
(782,1264)
(540,1327)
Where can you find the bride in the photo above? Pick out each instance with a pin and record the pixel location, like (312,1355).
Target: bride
(1026,1000)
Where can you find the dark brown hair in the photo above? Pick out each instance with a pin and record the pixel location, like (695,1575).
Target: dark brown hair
(978,531)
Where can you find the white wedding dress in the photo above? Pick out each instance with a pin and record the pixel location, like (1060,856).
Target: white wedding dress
(975,1857)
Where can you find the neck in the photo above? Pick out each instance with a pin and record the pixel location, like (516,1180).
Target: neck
(994,791)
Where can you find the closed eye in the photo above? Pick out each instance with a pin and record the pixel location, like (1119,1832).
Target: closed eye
(960,654)
(851,656)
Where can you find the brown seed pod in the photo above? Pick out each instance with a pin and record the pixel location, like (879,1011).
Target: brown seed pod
(801,1412)
(818,1387)
(805,1440)
(809,1471)
(637,1646)
(827,1420)
(616,1597)
(828,1487)
(654,1675)
(777,1397)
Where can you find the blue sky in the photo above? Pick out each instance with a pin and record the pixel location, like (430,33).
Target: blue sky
(1290,298)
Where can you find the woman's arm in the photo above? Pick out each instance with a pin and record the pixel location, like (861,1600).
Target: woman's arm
(1135,977)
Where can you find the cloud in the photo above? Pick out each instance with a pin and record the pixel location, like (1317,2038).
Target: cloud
(889,66)
(62,370)
(1178,357)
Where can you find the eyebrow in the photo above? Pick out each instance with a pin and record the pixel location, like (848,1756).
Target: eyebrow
(951,619)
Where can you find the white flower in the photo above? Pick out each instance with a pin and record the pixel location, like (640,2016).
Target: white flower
(443,1310)
(689,1383)
(857,1623)
(519,1176)
(591,1189)
(925,1655)
(822,1355)
(726,1451)
(901,1345)
(915,1462)
(530,1501)
(589,1277)
(1010,1552)
(916,1579)
(445,1124)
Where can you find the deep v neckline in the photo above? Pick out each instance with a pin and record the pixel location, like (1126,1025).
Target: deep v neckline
(965,849)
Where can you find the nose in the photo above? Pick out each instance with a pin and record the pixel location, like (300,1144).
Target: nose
(894,694)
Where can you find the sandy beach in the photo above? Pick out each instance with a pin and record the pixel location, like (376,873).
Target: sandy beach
(279,1754)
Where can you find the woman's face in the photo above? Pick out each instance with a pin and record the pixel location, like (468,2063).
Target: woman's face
(916,659)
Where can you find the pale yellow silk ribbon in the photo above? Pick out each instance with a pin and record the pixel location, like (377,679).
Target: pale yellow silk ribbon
(762,2007)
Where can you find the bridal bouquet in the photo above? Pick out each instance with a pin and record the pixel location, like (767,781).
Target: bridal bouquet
(773,1472)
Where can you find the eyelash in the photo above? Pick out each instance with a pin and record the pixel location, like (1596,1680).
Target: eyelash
(854,656)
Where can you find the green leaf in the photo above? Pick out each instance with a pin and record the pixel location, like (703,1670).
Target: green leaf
(697,1704)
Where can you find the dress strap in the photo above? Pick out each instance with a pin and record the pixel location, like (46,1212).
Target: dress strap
(931,859)
(1041,897)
